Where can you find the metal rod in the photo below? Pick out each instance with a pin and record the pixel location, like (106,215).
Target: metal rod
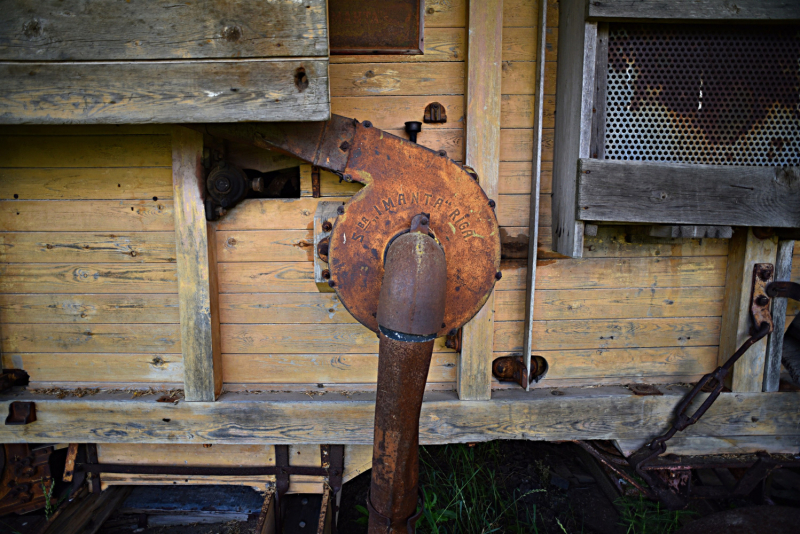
(536,176)
(410,313)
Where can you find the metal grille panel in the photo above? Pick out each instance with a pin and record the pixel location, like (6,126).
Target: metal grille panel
(710,94)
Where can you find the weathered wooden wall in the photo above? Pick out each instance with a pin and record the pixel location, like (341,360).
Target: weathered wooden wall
(89,286)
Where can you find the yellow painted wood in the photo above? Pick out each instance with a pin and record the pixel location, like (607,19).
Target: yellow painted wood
(102,338)
(118,368)
(745,251)
(391,112)
(398,79)
(517,144)
(522,13)
(330,368)
(86,247)
(272,214)
(608,273)
(86,216)
(519,78)
(482,132)
(257,277)
(85,151)
(515,178)
(301,339)
(596,413)
(45,278)
(609,334)
(265,245)
(196,262)
(623,303)
(516,111)
(440,44)
(519,44)
(89,308)
(86,183)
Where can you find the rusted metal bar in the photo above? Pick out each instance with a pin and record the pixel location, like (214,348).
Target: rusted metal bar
(410,312)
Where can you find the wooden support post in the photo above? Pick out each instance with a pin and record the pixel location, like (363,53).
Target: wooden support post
(196,261)
(783,271)
(484,69)
(745,251)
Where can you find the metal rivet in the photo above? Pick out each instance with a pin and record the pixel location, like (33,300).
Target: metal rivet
(498,275)
(367,124)
(340,210)
(492,203)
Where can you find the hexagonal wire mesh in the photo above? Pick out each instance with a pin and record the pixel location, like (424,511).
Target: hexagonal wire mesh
(710,94)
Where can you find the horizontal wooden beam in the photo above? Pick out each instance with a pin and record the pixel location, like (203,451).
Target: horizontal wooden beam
(673,193)
(694,10)
(165,91)
(59,30)
(277,418)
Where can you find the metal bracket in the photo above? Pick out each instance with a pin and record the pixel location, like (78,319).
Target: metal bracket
(759,299)
(324,218)
(21,413)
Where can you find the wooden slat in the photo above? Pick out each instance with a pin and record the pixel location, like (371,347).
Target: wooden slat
(624,364)
(519,78)
(86,216)
(517,144)
(625,303)
(515,178)
(257,277)
(673,193)
(301,339)
(450,140)
(615,242)
(522,13)
(597,413)
(575,102)
(63,247)
(483,151)
(265,245)
(43,30)
(406,79)
(272,214)
(102,338)
(321,368)
(610,334)
(514,210)
(88,278)
(195,245)
(441,44)
(288,308)
(114,367)
(701,445)
(89,308)
(141,183)
(516,111)
(519,44)
(445,13)
(609,273)
(391,112)
(745,251)
(691,10)
(84,151)
(163,92)
(774,351)
(39,130)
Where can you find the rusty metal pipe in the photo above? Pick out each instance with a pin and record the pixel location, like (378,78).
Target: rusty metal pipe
(410,313)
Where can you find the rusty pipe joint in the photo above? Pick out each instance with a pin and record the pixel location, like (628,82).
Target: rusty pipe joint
(410,313)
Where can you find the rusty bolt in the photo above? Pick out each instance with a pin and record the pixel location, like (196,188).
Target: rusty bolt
(345,146)
(492,203)
(331,283)
(340,210)
(450,344)
(327,226)
(765,274)
(498,275)
(367,124)
(347,178)
(761,300)
(443,153)
(326,274)
(424,221)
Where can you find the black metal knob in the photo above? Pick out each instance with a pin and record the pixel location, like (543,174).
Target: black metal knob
(412,129)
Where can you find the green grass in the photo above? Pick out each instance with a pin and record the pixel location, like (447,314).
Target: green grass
(642,516)
(463,495)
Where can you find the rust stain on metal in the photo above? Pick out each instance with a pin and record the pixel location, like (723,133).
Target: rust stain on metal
(713,94)
(369,27)
(759,300)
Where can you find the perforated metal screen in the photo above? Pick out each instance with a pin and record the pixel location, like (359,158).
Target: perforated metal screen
(711,94)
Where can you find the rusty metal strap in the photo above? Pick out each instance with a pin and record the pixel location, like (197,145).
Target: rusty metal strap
(787,290)
(411,523)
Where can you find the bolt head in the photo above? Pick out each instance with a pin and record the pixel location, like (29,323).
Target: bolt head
(367,124)
(498,275)
(327,226)
(761,300)
(340,210)
(222,184)
(331,283)
(326,274)
(424,221)
(492,203)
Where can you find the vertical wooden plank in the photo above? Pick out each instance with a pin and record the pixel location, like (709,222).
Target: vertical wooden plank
(575,91)
(783,271)
(745,250)
(196,265)
(484,69)
(536,168)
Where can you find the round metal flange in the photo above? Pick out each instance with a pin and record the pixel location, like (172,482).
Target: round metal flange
(403,180)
